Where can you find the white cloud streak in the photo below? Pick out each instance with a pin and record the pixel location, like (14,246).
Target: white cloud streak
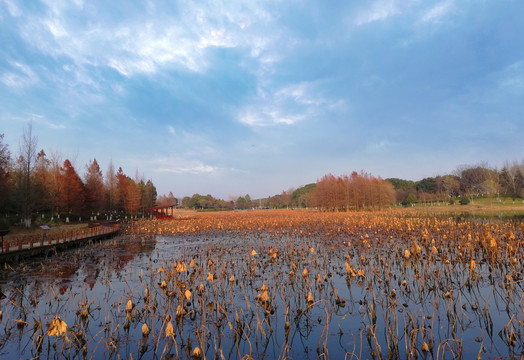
(436,13)
(379,11)
(178,165)
(21,76)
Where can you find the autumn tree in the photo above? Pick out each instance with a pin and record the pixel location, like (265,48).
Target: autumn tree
(353,192)
(72,189)
(132,197)
(53,184)
(128,193)
(95,190)
(41,175)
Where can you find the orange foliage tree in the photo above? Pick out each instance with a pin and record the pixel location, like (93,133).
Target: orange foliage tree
(72,189)
(353,192)
(128,193)
(95,190)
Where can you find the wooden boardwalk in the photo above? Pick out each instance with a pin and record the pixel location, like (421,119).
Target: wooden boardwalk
(17,249)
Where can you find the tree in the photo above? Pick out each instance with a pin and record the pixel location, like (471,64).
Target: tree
(95,190)
(301,197)
(448,185)
(128,193)
(131,197)
(400,184)
(5,159)
(111,188)
(41,175)
(428,185)
(241,203)
(411,199)
(72,199)
(357,191)
(472,179)
(26,163)
(149,195)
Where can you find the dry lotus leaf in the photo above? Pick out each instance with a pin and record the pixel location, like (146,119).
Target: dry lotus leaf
(129,306)
(187,294)
(169,330)
(57,327)
(310,299)
(181,267)
(145,330)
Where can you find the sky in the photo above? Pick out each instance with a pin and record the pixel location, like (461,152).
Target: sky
(257,97)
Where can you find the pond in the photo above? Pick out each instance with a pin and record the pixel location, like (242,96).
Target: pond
(265,295)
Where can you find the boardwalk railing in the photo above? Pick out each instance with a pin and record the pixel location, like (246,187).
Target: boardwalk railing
(32,242)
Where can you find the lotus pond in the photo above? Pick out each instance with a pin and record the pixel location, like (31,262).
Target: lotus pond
(275,285)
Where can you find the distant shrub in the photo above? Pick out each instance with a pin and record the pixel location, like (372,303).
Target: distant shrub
(464,200)
(409,200)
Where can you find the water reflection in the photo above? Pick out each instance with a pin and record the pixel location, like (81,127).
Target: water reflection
(272,296)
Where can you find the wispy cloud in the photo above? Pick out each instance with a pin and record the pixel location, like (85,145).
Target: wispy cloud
(261,117)
(287,105)
(178,165)
(21,76)
(380,10)
(146,42)
(437,12)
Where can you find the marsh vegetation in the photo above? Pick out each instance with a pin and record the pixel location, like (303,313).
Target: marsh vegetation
(276,284)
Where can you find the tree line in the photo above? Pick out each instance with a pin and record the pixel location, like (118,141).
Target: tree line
(33,182)
(466,182)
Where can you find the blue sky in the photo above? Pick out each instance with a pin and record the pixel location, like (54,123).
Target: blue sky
(256,97)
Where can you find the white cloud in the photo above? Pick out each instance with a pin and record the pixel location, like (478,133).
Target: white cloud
(300,93)
(436,13)
(171,130)
(149,41)
(22,76)
(288,105)
(183,166)
(267,117)
(56,126)
(12,8)
(380,10)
